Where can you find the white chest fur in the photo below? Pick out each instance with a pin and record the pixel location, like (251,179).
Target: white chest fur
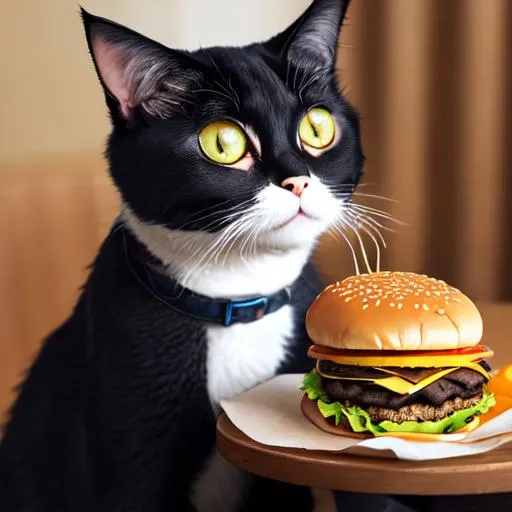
(241,356)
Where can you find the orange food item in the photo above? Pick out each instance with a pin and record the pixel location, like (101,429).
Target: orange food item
(501,386)
(502,404)
(501,383)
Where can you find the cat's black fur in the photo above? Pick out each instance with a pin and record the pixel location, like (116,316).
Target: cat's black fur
(114,414)
(156,161)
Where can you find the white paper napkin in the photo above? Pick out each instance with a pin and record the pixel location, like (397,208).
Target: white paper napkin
(270,414)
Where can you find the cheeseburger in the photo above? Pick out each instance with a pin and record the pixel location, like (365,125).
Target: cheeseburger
(395,352)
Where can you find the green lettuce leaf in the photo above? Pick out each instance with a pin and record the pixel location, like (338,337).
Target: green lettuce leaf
(312,386)
(334,409)
(360,420)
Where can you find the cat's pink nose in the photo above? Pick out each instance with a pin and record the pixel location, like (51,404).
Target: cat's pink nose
(296,184)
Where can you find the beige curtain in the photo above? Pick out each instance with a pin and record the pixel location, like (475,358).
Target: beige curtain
(54,213)
(431,79)
(432,82)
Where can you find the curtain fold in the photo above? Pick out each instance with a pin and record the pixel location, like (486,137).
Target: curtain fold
(431,81)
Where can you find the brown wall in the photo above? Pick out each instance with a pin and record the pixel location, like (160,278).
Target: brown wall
(432,83)
(51,223)
(432,80)
(50,103)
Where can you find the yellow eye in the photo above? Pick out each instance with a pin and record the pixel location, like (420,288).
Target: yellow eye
(317,128)
(223,142)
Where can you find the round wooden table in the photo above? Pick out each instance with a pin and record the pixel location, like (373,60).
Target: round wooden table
(490,472)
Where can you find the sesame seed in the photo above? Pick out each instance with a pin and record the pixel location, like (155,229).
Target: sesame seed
(416,306)
(440,311)
(348,299)
(391,304)
(400,306)
(377,303)
(425,307)
(365,306)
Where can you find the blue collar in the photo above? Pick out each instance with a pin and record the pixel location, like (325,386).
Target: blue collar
(168,291)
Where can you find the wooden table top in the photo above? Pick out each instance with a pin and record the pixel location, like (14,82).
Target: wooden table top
(485,473)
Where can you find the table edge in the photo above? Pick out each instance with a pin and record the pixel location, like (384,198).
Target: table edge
(243,452)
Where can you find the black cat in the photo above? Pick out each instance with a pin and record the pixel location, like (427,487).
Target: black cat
(230,163)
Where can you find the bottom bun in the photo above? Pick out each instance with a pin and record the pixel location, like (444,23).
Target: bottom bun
(310,410)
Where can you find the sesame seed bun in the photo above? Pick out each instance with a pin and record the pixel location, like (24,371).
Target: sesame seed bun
(393,311)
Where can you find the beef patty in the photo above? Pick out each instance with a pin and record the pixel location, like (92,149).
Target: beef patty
(421,412)
(462,383)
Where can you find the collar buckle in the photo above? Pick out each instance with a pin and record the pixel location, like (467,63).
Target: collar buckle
(259,305)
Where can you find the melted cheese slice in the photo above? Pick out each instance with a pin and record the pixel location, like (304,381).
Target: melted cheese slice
(410,359)
(470,366)
(399,384)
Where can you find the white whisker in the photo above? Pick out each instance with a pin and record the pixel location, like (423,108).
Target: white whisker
(224,89)
(349,243)
(376,196)
(361,223)
(218,212)
(378,213)
(209,253)
(376,223)
(370,209)
(252,235)
(217,92)
(312,79)
(235,237)
(361,244)
(233,90)
(363,220)
(295,78)
(228,82)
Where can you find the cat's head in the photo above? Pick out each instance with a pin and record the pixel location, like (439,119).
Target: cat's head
(251,146)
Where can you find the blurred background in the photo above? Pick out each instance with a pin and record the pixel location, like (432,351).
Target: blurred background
(430,78)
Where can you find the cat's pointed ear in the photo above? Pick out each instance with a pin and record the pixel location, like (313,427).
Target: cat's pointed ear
(312,39)
(136,71)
